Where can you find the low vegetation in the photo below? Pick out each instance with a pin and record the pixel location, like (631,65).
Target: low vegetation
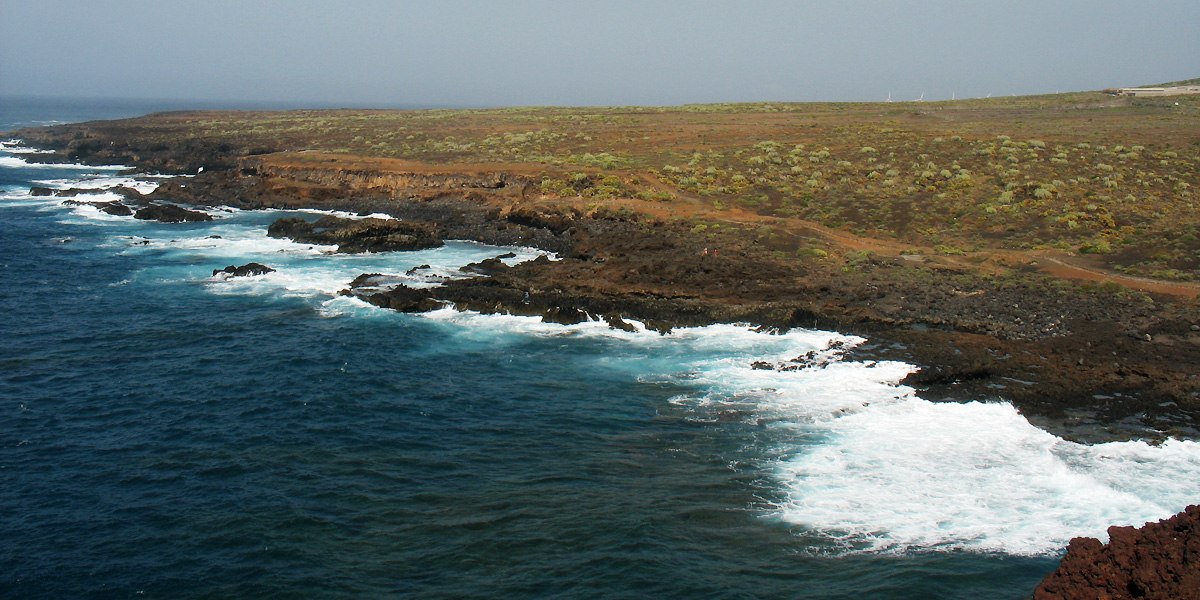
(1108,179)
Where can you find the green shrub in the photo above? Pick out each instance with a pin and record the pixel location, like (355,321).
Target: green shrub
(1098,247)
(949,250)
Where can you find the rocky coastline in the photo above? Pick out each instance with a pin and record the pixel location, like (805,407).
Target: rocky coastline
(1089,364)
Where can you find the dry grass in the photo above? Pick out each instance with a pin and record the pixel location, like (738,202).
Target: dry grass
(1083,173)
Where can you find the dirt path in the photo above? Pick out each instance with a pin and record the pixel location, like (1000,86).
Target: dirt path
(1061,266)
(1056,264)
(686,205)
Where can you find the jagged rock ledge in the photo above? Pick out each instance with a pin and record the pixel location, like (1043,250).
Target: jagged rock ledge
(170,213)
(357,235)
(1159,561)
(145,211)
(500,289)
(246,270)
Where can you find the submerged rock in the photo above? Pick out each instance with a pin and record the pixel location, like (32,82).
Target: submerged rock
(1159,561)
(358,235)
(245,270)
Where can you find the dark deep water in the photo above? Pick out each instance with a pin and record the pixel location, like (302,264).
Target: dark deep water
(168,435)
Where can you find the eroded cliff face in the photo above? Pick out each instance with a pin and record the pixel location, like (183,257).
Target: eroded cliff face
(1160,561)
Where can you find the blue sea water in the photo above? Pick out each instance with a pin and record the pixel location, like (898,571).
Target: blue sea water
(165,433)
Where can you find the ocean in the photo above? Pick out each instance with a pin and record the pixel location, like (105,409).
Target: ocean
(168,433)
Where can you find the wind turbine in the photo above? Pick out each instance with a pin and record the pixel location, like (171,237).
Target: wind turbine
(889,97)
(921,99)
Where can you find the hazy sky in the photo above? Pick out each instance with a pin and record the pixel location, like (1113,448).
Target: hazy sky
(598,52)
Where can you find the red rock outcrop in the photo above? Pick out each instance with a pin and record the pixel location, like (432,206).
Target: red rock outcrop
(1160,561)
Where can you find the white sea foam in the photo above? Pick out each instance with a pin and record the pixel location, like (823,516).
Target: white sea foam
(17,162)
(870,466)
(14,147)
(99,182)
(349,306)
(875,467)
(343,214)
(82,177)
(485,327)
(91,213)
(302,270)
(22,197)
(916,474)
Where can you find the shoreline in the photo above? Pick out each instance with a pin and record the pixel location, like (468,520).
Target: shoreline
(1085,359)
(1090,362)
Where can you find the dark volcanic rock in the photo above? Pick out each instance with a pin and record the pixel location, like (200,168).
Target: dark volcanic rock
(402,298)
(112,208)
(555,222)
(1160,561)
(1085,363)
(370,283)
(617,322)
(245,270)
(358,235)
(127,192)
(487,266)
(170,213)
(369,280)
(108,143)
(290,227)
